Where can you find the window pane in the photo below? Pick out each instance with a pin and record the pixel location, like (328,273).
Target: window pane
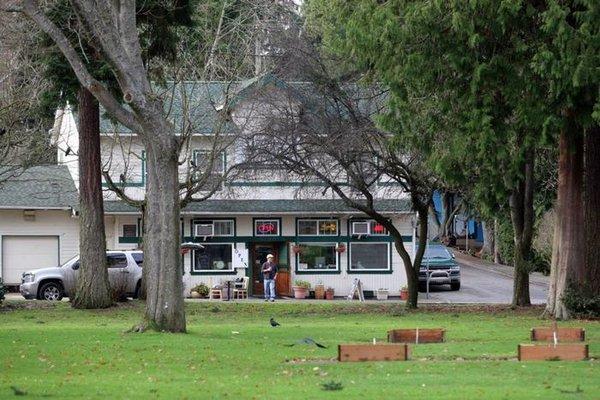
(317,257)
(369,256)
(377,228)
(138,258)
(116,260)
(307,227)
(264,227)
(129,230)
(328,227)
(213,257)
(223,228)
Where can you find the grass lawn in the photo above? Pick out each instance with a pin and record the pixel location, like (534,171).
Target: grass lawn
(232,352)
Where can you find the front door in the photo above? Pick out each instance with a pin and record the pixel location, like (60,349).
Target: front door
(259,257)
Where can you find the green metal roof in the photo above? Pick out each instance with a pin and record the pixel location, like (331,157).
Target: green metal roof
(271,207)
(40,187)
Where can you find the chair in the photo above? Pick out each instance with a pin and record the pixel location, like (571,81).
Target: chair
(242,292)
(215,293)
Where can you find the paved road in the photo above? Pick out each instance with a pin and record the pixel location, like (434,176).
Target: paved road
(485,282)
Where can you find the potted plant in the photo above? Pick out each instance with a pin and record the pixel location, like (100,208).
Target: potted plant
(382,294)
(319,291)
(329,293)
(340,248)
(404,293)
(199,291)
(301,289)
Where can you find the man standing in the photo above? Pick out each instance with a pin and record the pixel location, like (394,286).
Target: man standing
(269,271)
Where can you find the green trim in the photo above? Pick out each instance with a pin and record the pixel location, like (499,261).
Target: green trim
(130,240)
(320,272)
(389,270)
(279,228)
(133,184)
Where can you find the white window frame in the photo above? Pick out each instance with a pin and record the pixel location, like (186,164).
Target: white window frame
(218,271)
(316,221)
(389,257)
(368,223)
(137,233)
(230,221)
(337,257)
(269,220)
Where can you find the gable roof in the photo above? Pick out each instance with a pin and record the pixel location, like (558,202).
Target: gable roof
(40,187)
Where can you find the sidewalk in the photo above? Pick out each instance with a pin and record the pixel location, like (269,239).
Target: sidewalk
(535,278)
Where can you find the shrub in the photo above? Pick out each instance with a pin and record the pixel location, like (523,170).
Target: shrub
(581,302)
(202,289)
(302,284)
(2,291)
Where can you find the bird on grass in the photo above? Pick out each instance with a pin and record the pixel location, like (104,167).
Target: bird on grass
(17,391)
(309,341)
(274,323)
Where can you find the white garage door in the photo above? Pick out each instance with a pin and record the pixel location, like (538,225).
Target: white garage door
(23,253)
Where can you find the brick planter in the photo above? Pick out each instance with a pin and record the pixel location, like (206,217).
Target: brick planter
(550,352)
(546,334)
(435,335)
(373,352)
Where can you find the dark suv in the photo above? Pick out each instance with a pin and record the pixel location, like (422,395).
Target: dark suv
(443,269)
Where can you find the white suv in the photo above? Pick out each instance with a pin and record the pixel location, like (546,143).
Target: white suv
(124,274)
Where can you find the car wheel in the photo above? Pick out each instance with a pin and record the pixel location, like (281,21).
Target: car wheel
(455,286)
(52,291)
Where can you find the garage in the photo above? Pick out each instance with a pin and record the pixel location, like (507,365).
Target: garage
(23,253)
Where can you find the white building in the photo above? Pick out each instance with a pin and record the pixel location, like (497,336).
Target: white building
(314,237)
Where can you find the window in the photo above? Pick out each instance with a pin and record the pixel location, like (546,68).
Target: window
(202,165)
(138,258)
(266,227)
(377,228)
(317,227)
(214,228)
(213,257)
(368,227)
(317,257)
(116,260)
(369,256)
(130,230)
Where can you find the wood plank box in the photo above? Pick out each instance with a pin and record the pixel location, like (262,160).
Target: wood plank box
(373,352)
(562,334)
(435,335)
(562,352)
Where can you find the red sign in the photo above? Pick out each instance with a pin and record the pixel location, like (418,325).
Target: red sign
(267,228)
(378,228)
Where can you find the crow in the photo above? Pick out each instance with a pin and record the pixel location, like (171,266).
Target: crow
(122,178)
(17,391)
(68,151)
(274,323)
(307,340)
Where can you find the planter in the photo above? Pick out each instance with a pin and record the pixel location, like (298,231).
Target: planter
(329,293)
(373,352)
(300,292)
(194,294)
(435,335)
(551,352)
(403,294)
(546,334)
(319,292)
(382,294)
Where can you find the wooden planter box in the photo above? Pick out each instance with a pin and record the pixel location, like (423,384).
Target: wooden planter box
(550,352)
(435,335)
(546,334)
(373,352)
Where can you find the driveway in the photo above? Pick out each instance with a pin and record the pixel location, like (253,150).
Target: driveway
(486,282)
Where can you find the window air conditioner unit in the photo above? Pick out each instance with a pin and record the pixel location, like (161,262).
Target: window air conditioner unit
(204,230)
(360,228)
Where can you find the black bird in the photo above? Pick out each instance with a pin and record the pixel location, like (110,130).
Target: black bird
(274,323)
(17,391)
(193,163)
(68,151)
(307,340)
(122,178)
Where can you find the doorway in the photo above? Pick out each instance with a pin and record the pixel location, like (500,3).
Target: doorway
(259,257)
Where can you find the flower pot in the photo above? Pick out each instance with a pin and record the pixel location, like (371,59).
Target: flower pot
(300,292)
(329,294)
(382,294)
(319,292)
(194,294)
(404,294)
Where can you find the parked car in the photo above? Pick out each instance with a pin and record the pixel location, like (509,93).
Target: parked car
(124,273)
(443,269)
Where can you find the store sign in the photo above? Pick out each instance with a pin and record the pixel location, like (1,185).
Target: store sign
(267,227)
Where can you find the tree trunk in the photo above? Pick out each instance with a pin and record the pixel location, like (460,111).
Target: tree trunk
(522,218)
(93,289)
(164,284)
(590,279)
(567,246)
(488,239)
(497,259)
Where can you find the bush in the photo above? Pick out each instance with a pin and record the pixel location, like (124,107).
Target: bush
(581,302)
(2,291)
(202,289)
(302,284)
